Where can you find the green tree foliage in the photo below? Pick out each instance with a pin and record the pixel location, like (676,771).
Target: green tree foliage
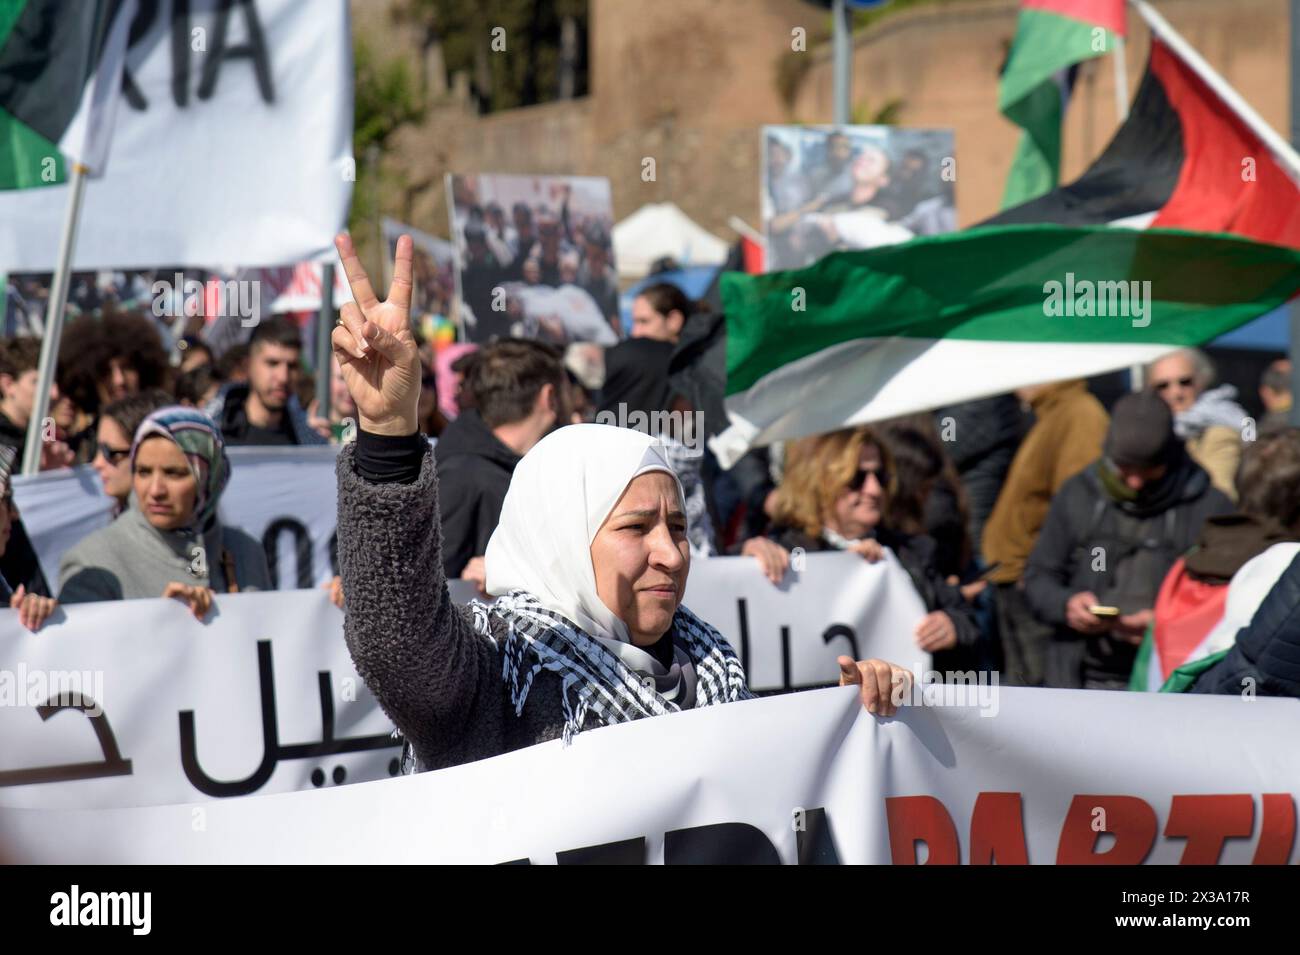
(385,96)
(528,70)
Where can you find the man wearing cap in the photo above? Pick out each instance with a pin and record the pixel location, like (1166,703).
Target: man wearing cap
(1111,534)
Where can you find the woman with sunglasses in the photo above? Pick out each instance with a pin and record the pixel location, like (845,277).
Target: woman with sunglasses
(834,496)
(112,460)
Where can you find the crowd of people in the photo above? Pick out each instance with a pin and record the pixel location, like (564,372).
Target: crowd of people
(512,259)
(1047,537)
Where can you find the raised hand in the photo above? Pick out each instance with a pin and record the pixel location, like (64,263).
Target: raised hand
(374,346)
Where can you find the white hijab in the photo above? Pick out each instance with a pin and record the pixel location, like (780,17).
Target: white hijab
(561,492)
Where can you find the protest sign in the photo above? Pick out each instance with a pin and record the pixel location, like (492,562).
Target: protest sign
(233,145)
(853,187)
(135,702)
(535,257)
(807,778)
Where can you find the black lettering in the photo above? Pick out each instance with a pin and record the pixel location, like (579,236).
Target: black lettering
(744,633)
(145,14)
(303,548)
(727,843)
(181,52)
(841,630)
(626,852)
(816,843)
(254,49)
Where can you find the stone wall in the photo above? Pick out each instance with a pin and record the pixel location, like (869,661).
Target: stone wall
(689,82)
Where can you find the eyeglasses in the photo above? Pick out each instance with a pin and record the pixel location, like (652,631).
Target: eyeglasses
(860,479)
(1164,385)
(114,456)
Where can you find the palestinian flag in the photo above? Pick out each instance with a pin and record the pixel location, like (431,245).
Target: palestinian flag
(60,74)
(951,318)
(1186,611)
(1052,38)
(862,336)
(1184,159)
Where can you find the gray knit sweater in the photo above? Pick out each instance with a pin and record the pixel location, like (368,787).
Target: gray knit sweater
(436,677)
(131,559)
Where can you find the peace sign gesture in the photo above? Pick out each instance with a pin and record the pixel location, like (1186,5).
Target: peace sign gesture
(374,345)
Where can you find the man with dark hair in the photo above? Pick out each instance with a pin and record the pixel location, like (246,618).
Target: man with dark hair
(518,393)
(266,410)
(1112,533)
(20,360)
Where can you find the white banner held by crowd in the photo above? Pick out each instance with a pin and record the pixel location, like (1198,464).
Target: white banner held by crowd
(828,605)
(232,145)
(807,778)
(152,707)
(788,636)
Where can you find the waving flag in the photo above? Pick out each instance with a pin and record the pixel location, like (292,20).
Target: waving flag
(862,336)
(60,71)
(1052,37)
(1185,158)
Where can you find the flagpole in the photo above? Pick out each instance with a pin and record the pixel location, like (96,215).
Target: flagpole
(842,62)
(54,323)
(1136,373)
(1161,28)
(1121,79)
(324,332)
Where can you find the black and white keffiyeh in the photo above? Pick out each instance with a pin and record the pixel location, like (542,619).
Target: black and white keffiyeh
(598,688)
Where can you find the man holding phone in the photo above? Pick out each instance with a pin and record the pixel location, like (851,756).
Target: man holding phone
(1112,533)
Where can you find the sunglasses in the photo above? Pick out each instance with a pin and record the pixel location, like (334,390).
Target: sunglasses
(860,478)
(1164,385)
(114,456)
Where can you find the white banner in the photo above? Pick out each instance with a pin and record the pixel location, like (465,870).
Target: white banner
(788,636)
(833,604)
(1028,775)
(233,145)
(164,709)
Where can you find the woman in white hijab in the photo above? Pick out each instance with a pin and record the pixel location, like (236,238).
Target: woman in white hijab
(589,563)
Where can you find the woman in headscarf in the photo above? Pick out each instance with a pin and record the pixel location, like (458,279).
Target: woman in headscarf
(169,542)
(589,562)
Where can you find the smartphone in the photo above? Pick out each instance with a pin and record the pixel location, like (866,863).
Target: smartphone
(1099,611)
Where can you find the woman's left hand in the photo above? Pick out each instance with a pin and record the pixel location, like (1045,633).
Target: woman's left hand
(33,609)
(198,598)
(884,685)
(936,632)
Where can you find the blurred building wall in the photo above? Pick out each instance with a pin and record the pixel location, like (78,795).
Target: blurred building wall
(687,83)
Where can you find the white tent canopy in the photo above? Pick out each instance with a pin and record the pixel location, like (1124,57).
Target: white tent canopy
(660,229)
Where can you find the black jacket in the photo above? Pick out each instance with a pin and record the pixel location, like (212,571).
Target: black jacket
(918,555)
(698,368)
(1120,552)
(474,470)
(13,436)
(981,437)
(1266,657)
